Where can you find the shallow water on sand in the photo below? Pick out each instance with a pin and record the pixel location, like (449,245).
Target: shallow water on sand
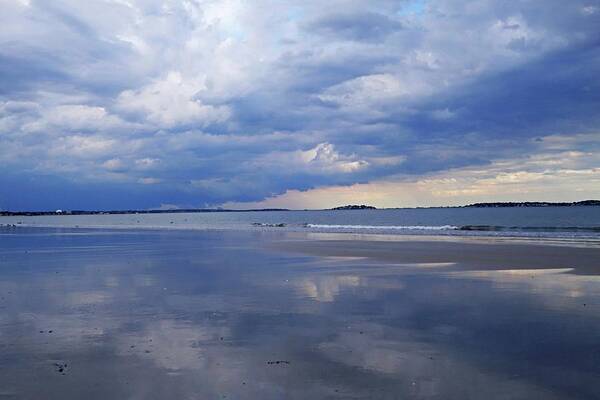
(102,314)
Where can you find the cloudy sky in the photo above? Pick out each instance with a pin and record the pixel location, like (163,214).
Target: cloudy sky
(301,104)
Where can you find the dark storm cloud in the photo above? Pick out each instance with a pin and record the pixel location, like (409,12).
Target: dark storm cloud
(366,26)
(22,73)
(558,91)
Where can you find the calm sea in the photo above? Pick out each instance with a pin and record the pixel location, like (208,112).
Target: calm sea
(555,222)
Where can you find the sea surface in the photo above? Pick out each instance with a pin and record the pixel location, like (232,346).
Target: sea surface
(545,222)
(223,314)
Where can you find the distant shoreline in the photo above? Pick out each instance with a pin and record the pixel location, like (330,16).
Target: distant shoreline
(116,212)
(532,204)
(536,204)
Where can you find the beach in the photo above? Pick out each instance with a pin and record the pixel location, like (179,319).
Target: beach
(266,200)
(154,314)
(455,253)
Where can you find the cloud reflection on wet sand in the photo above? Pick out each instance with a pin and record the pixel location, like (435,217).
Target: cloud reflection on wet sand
(218,315)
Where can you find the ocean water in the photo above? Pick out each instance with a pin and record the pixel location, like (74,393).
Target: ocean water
(552,222)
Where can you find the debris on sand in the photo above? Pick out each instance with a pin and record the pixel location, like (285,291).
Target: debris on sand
(278,362)
(61,368)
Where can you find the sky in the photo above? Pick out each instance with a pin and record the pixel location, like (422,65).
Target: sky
(140,104)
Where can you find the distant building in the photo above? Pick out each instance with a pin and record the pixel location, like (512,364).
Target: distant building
(58,211)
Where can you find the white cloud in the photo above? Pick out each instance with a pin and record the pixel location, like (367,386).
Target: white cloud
(90,147)
(321,159)
(370,90)
(171,102)
(589,10)
(75,118)
(114,164)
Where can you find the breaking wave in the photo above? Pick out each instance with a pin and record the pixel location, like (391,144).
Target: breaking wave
(387,227)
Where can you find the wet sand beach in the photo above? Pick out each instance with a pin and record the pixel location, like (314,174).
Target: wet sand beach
(153,314)
(456,253)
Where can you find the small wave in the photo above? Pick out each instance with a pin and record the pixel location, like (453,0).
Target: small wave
(492,228)
(386,227)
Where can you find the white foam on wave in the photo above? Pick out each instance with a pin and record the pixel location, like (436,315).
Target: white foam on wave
(387,227)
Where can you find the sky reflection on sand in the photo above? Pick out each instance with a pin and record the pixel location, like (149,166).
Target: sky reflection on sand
(159,315)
